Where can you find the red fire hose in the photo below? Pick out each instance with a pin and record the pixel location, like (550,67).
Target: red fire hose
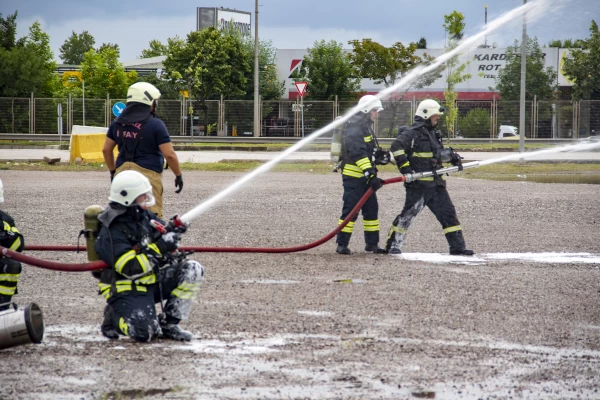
(96,265)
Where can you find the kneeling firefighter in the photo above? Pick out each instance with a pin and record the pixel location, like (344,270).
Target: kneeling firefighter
(419,148)
(144,266)
(359,145)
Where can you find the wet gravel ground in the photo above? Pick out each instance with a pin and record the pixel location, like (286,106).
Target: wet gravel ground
(317,325)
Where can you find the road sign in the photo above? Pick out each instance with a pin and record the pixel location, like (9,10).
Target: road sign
(118,108)
(297,107)
(301,86)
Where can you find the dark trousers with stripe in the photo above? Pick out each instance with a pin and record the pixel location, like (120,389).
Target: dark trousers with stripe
(354,189)
(133,313)
(439,202)
(10,271)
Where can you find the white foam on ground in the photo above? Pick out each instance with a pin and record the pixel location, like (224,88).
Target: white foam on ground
(316,313)
(484,258)
(271,281)
(257,346)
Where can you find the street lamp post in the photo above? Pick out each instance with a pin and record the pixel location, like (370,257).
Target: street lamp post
(523,76)
(256,75)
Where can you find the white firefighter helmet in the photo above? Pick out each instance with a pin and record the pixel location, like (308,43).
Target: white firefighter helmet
(127,186)
(429,107)
(1,192)
(143,92)
(369,102)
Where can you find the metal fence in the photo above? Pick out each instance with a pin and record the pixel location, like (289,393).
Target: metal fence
(476,119)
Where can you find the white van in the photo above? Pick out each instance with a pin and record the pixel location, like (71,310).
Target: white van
(508,132)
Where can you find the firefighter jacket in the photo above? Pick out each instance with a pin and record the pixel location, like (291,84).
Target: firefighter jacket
(358,145)
(125,244)
(418,149)
(10,237)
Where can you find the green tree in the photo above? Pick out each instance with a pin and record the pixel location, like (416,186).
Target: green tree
(27,66)
(38,42)
(329,72)
(422,43)
(454,25)
(566,44)
(539,80)
(169,89)
(156,49)
(73,49)
(269,87)
(388,65)
(105,46)
(208,64)
(581,66)
(8,31)
(104,74)
(475,124)
(455,72)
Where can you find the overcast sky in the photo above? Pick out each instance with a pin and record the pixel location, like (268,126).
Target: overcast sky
(295,24)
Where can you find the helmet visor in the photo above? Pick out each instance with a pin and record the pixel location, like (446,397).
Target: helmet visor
(145,200)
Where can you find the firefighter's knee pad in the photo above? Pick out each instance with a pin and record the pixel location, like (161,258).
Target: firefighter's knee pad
(140,331)
(10,266)
(193,271)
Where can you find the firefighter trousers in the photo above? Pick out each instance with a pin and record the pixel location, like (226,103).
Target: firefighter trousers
(133,313)
(10,271)
(354,189)
(439,202)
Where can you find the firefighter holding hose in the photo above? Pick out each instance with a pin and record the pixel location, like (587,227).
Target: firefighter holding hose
(419,148)
(10,269)
(359,174)
(144,266)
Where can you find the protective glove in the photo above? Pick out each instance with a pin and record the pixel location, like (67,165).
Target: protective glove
(370,173)
(168,242)
(112,174)
(179,183)
(176,225)
(457,160)
(375,184)
(406,170)
(382,157)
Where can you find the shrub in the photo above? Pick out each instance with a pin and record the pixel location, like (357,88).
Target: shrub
(476,124)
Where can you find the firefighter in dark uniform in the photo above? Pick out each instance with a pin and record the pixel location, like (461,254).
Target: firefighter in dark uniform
(419,148)
(10,269)
(140,273)
(143,142)
(359,173)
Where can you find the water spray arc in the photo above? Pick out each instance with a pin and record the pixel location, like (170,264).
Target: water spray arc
(532,8)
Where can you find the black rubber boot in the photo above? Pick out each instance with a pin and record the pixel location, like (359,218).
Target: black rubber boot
(457,244)
(463,252)
(173,331)
(107,327)
(374,248)
(341,249)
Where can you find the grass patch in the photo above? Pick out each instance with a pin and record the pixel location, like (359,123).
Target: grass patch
(497,146)
(552,168)
(323,167)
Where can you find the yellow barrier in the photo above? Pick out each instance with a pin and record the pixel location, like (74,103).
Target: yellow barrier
(87,143)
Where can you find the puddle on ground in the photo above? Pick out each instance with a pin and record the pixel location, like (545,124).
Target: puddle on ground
(138,393)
